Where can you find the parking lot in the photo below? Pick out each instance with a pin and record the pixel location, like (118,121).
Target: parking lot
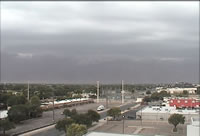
(142,127)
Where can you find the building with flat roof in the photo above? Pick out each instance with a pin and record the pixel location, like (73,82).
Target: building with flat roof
(177,90)
(163,113)
(194,128)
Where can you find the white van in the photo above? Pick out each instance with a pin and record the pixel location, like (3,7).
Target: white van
(100,108)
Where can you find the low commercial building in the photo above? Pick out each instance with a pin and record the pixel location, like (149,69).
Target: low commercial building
(177,90)
(139,99)
(163,113)
(184,103)
(194,128)
(65,103)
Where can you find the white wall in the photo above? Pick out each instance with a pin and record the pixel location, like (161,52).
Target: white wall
(193,130)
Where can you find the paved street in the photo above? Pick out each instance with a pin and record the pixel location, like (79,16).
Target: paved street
(54,132)
(47,117)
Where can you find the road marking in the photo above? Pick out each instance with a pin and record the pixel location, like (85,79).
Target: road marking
(139,126)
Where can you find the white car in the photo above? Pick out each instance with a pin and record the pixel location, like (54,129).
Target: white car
(100,108)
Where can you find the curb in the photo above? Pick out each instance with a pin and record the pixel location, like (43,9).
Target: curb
(17,134)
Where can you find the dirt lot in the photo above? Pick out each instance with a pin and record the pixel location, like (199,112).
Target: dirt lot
(144,128)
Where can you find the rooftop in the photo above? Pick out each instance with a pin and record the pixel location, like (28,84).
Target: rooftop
(166,109)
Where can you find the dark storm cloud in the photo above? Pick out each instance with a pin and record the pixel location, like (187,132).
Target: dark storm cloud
(108,41)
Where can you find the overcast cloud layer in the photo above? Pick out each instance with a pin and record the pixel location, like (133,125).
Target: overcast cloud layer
(81,42)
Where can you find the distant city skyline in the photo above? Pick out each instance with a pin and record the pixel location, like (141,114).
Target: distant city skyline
(85,42)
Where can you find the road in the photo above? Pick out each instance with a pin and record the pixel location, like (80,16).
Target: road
(131,115)
(47,118)
(103,114)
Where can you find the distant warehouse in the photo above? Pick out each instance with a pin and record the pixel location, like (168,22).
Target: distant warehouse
(177,90)
(163,113)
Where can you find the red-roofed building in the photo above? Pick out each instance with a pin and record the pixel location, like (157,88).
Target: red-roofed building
(180,103)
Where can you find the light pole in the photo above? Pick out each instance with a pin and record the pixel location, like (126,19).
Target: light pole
(123,123)
(122,92)
(97,91)
(141,117)
(53,108)
(28,92)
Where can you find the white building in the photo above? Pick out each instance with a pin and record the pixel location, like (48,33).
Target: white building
(177,90)
(194,128)
(163,113)
(139,99)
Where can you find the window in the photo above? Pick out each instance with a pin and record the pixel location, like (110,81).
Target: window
(186,101)
(193,101)
(178,101)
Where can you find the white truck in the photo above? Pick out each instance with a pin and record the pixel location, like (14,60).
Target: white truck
(100,108)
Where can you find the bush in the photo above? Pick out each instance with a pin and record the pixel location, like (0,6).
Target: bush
(82,119)
(93,115)
(114,112)
(61,125)
(18,113)
(67,113)
(76,130)
(6,125)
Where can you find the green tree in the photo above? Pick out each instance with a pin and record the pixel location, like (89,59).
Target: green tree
(6,125)
(82,119)
(93,115)
(148,92)
(198,91)
(159,96)
(185,93)
(35,100)
(132,91)
(4,97)
(61,125)
(16,100)
(67,113)
(147,99)
(73,112)
(176,119)
(34,107)
(76,130)
(114,112)
(18,113)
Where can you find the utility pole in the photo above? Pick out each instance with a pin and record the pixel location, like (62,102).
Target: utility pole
(53,108)
(141,117)
(53,118)
(97,91)
(4,86)
(28,92)
(122,92)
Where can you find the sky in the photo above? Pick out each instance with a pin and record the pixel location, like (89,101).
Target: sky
(82,42)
